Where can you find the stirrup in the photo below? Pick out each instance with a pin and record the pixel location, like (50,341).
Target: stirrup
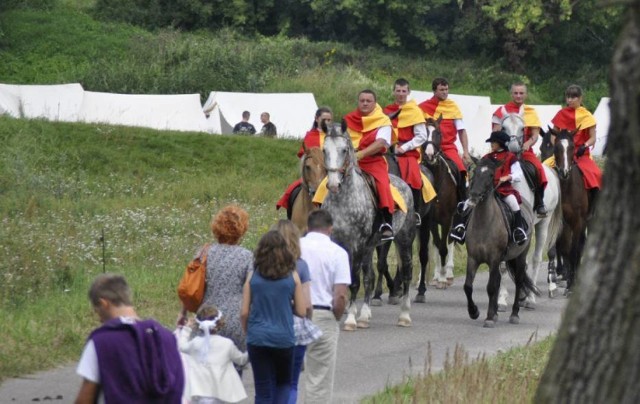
(519,236)
(418,219)
(541,211)
(386,232)
(458,233)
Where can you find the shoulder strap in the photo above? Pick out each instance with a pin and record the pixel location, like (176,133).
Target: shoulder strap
(204,251)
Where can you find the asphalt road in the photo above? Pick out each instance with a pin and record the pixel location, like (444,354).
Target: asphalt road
(369,360)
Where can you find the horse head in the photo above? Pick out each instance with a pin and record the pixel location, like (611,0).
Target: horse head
(513,125)
(482,181)
(312,168)
(431,148)
(339,156)
(546,147)
(563,151)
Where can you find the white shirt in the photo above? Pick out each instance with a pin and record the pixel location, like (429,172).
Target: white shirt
(459,124)
(419,137)
(328,266)
(384,133)
(516,172)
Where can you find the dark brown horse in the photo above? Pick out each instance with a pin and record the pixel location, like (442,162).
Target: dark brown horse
(575,204)
(438,224)
(488,240)
(312,171)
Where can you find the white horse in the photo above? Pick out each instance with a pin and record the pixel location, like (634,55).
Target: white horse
(547,228)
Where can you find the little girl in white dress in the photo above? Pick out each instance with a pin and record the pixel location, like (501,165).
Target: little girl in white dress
(208,360)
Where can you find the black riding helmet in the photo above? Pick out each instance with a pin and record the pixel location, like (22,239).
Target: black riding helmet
(499,137)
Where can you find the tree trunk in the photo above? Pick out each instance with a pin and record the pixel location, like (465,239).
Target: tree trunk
(596,358)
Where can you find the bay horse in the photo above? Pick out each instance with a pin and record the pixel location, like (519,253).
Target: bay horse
(547,228)
(575,204)
(488,240)
(382,251)
(354,209)
(312,172)
(441,215)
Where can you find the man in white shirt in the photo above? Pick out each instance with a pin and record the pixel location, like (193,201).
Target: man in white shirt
(331,275)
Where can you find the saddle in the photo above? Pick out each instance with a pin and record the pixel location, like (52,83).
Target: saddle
(530,174)
(292,198)
(509,217)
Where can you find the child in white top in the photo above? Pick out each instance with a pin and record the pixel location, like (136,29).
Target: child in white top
(208,360)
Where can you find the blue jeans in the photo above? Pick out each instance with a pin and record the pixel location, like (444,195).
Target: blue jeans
(298,358)
(272,373)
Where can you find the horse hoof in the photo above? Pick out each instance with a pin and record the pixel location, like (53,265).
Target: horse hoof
(489,323)
(363,324)
(349,327)
(514,319)
(377,302)
(433,282)
(404,322)
(420,299)
(450,281)
(441,285)
(393,300)
(474,313)
(502,307)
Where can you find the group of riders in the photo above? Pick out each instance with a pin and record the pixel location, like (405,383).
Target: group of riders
(401,129)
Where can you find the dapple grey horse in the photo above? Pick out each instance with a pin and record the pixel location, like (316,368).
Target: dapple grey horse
(353,208)
(488,240)
(547,228)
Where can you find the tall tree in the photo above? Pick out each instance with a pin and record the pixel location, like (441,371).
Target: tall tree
(596,358)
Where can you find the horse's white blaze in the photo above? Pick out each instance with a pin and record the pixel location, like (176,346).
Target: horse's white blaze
(429,150)
(565,157)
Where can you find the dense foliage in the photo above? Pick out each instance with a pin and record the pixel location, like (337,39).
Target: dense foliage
(519,33)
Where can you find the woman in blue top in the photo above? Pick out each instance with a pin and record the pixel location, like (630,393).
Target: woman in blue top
(267,317)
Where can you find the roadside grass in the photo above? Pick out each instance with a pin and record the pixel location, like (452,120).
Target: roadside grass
(509,377)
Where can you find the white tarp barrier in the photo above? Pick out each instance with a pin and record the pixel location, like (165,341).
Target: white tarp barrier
(476,114)
(60,102)
(292,113)
(181,112)
(603,120)
(10,101)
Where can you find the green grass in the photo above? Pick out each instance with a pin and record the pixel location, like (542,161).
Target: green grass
(509,377)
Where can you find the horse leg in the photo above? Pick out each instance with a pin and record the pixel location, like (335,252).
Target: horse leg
(541,229)
(405,261)
(394,298)
(448,268)
(382,252)
(424,262)
(503,295)
(367,276)
(552,276)
(492,290)
(519,270)
(472,267)
(441,244)
(350,322)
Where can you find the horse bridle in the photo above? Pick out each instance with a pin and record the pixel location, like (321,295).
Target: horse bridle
(344,169)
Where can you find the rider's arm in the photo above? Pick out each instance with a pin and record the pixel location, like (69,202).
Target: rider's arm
(419,137)
(464,140)
(383,140)
(592,137)
(535,133)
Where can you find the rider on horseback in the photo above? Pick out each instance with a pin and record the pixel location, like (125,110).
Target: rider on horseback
(409,133)
(370,132)
(451,128)
(576,117)
(531,134)
(509,171)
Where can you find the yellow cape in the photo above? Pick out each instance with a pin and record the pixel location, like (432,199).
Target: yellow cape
(531,119)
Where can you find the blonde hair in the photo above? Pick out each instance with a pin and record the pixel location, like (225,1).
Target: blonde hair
(291,235)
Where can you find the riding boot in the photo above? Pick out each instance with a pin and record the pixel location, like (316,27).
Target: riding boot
(462,188)
(459,224)
(386,228)
(519,234)
(593,197)
(540,209)
(417,204)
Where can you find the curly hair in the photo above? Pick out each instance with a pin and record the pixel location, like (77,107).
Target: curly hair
(230,224)
(291,235)
(273,259)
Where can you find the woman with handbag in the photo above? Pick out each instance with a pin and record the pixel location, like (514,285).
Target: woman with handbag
(227,267)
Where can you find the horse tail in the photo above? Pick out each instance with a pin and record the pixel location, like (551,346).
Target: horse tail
(555,225)
(528,286)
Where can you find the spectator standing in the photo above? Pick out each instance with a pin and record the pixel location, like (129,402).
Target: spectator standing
(244,127)
(268,128)
(228,265)
(127,359)
(267,318)
(329,268)
(208,360)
